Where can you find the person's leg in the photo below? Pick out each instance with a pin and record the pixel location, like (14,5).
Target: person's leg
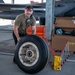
(15,39)
(22,35)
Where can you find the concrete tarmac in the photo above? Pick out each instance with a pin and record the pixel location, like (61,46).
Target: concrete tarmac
(7,67)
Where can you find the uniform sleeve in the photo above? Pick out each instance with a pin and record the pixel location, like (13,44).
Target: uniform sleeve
(18,21)
(33,22)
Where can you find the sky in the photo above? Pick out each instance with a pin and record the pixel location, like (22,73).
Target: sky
(21,1)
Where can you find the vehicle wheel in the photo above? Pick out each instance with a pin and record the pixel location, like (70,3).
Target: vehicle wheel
(32,54)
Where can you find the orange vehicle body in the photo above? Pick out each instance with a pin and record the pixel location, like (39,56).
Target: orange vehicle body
(40,31)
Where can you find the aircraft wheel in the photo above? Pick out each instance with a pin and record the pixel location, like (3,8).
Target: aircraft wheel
(32,54)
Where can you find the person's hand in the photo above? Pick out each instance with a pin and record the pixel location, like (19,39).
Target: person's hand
(18,39)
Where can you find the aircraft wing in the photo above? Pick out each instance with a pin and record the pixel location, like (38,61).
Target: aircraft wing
(10,11)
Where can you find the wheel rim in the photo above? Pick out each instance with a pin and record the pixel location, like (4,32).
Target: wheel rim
(28,54)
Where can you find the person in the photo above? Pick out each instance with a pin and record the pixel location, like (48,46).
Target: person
(22,22)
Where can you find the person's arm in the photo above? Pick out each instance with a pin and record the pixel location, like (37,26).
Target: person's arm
(33,26)
(33,29)
(16,32)
(16,27)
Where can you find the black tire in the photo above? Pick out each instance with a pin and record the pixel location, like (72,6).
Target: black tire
(38,46)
